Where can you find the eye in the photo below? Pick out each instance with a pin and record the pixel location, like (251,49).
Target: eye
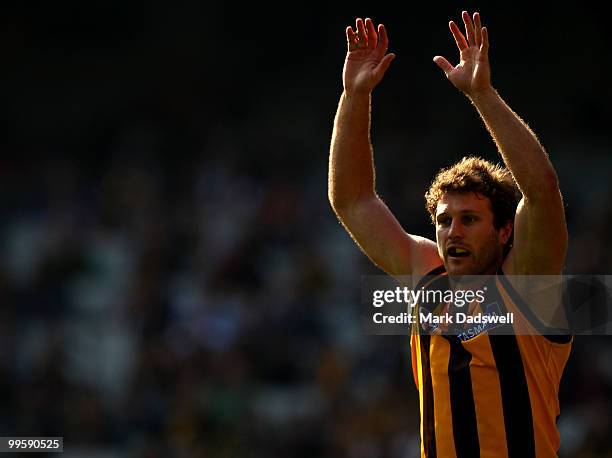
(468,219)
(444,221)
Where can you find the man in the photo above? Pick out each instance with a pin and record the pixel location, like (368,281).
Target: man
(480,395)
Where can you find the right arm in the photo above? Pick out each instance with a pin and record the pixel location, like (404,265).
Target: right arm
(351,169)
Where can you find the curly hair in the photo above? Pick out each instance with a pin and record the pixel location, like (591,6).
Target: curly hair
(474,174)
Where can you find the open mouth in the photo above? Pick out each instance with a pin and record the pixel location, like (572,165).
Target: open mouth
(457,252)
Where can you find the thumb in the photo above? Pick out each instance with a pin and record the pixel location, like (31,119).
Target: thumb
(444,64)
(383,65)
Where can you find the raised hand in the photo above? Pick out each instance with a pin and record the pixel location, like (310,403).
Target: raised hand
(367,59)
(473,74)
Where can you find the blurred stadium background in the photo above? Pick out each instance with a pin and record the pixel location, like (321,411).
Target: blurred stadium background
(173,282)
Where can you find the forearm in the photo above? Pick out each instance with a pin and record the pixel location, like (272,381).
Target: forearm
(351,167)
(518,145)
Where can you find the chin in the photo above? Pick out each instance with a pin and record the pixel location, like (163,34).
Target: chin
(466,267)
(453,269)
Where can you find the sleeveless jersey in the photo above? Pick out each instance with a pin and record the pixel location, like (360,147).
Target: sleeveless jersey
(488,395)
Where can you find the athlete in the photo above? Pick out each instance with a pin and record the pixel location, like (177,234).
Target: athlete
(480,394)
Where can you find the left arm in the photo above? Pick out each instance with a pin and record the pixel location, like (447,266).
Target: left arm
(540,232)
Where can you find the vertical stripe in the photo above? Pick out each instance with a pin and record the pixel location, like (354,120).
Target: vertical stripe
(440,354)
(487,398)
(518,420)
(416,358)
(416,362)
(428,421)
(465,430)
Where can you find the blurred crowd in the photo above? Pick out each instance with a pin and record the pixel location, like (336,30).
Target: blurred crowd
(155,307)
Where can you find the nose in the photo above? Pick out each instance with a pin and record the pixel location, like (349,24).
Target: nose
(456,229)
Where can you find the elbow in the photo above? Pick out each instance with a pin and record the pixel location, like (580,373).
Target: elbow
(543,186)
(335,194)
(333,199)
(343,201)
(338,205)
(342,210)
(550,179)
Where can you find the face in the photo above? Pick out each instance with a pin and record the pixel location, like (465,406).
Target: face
(467,239)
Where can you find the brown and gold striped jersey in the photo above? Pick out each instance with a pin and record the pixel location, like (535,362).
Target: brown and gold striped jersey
(489,395)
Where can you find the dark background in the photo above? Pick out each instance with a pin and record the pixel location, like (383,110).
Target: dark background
(172,279)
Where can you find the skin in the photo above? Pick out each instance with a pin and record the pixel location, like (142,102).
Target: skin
(473,74)
(367,59)
(540,240)
(540,234)
(466,220)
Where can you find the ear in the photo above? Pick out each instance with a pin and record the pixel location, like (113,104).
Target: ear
(505,232)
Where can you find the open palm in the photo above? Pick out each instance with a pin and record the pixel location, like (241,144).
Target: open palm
(367,59)
(473,73)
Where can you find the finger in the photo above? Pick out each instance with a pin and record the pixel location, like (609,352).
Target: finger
(477,29)
(372,36)
(459,38)
(383,39)
(350,33)
(362,40)
(383,65)
(444,64)
(469,28)
(484,47)
(351,38)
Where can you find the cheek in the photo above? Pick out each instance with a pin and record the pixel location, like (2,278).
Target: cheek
(486,244)
(440,238)
(492,244)
(440,241)
(440,233)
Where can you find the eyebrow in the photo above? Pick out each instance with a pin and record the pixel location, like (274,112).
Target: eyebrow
(461,212)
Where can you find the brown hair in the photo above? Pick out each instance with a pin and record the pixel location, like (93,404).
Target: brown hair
(473,174)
